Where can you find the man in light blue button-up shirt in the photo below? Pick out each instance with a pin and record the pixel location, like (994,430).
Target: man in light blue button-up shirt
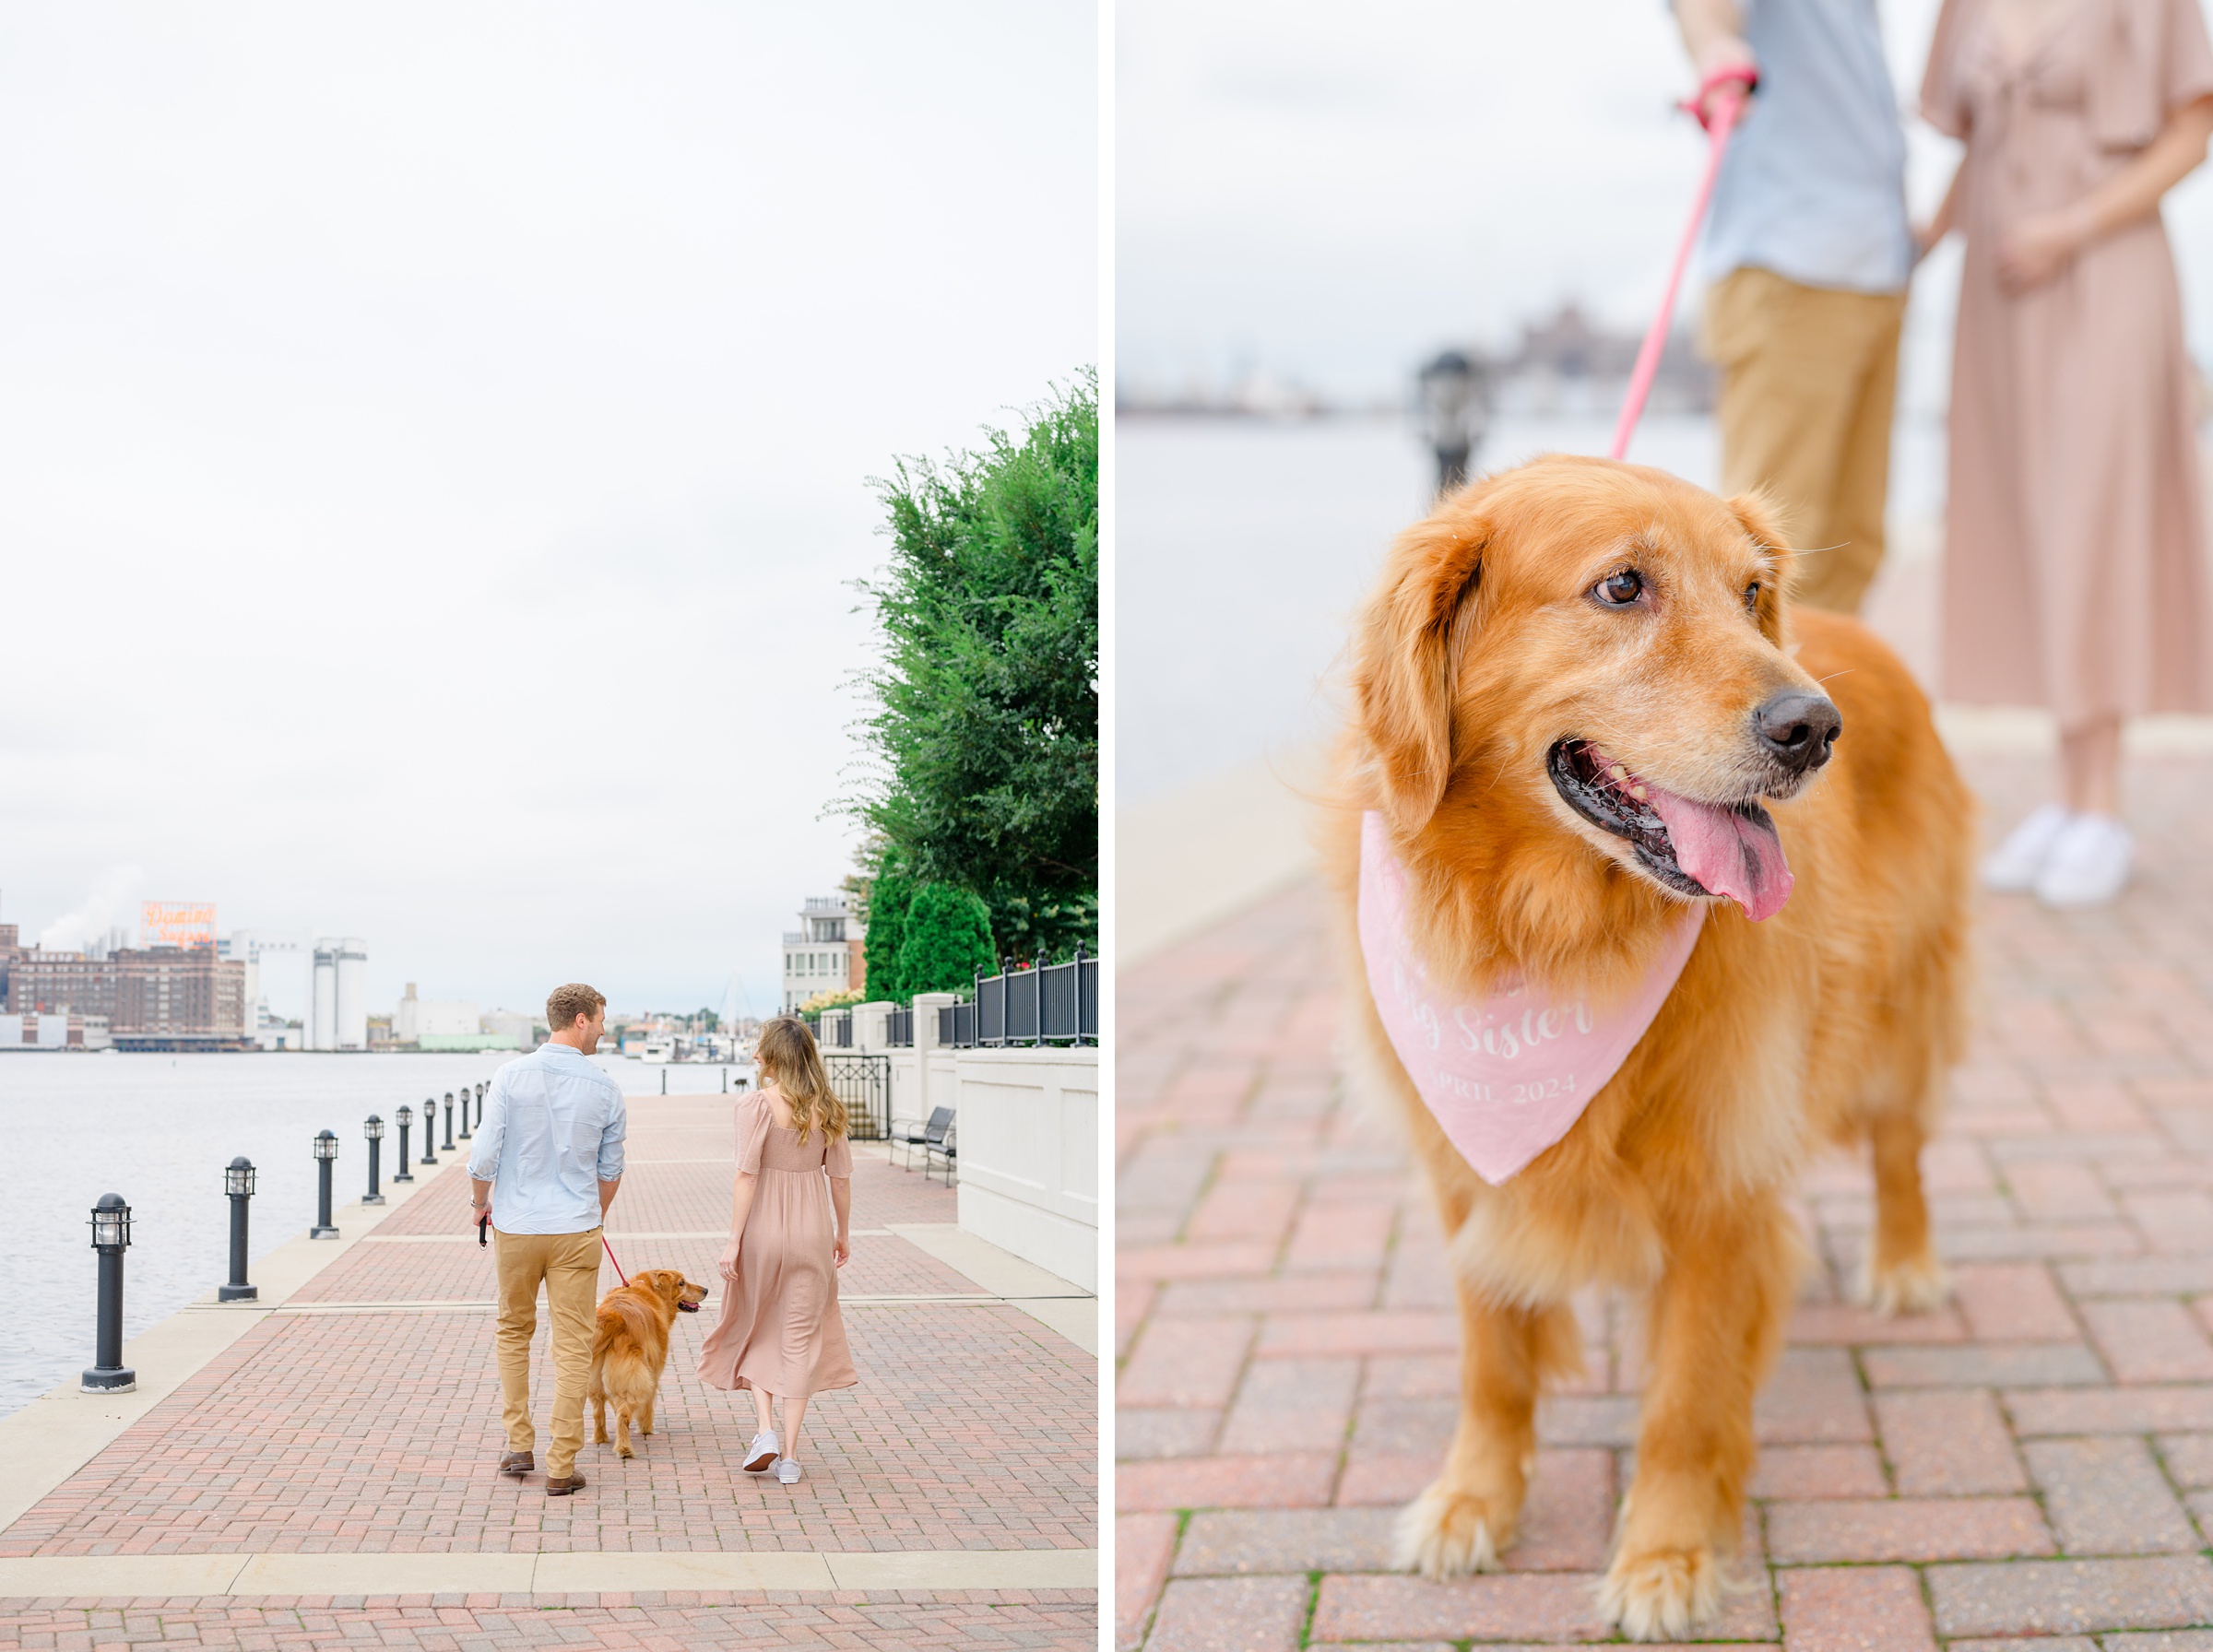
(547,1161)
(1809,251)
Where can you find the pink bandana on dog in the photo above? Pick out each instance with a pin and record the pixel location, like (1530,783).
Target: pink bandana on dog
(1506,1076)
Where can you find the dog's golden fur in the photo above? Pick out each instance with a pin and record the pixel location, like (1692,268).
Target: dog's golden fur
(1834,1020)
(629,1348)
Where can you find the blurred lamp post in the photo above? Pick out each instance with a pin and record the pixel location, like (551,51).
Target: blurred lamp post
(481,1088)
(447,1145)
(465,1113)
(1456,411)
(327,1149)
(402,1118)
(111,1238)
(374,1130)
(429,1130)
(238,1182)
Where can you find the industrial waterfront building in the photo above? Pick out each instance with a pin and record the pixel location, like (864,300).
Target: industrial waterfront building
(147,997)
(458,1024)
(339,1001)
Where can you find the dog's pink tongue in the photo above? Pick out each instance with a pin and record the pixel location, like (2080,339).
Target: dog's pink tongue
(1730,855)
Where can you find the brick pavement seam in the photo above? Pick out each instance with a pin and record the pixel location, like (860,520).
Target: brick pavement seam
(575,1572)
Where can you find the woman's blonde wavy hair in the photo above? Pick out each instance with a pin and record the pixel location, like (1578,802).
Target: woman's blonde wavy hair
(786,1057)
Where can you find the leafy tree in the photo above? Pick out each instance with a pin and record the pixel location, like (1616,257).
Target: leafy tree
(888,895)
(948,941)
(983,770)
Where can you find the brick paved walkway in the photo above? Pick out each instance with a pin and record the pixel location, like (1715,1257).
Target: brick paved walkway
(2036,1461)
(363,1419)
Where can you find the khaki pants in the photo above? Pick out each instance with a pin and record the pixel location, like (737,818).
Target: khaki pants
(568,1264)
(1809,377)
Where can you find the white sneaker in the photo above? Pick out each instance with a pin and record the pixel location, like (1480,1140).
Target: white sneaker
(764,1453)
(2013,866)
(2090,864)
(787,1472)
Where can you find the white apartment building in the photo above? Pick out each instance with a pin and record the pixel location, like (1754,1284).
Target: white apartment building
(823,953)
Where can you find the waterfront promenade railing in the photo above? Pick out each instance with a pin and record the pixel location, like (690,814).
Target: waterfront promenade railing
(1043,1003)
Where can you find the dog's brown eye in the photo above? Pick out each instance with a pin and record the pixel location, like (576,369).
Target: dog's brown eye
(1752,594)
(1620,589)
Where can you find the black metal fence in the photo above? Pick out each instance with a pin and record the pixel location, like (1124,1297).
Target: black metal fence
(899,1027)
(864,1084)
(836,1031)
(956,1025)
(1048,1003)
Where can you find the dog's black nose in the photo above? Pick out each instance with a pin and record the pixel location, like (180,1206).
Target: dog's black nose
(1798,728)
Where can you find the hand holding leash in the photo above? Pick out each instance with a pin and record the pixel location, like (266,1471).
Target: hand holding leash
(483,1222)
(1721,99)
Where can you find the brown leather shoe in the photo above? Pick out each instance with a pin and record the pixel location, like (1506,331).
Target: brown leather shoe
(517,1463)
(561,1488)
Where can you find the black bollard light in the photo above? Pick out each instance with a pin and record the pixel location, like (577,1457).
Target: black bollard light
(111,1238)
(429,1130)
(465,1113)
(1455,409)
(327,1149)
(238,1182)
(447,1145)
(402,1118)
(374,1130)
(481,1088)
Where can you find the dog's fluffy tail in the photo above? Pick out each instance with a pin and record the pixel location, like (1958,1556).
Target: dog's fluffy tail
(621,1312)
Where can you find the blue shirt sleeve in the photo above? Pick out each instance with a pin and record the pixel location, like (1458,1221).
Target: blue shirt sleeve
(491,1135)
(610,1140)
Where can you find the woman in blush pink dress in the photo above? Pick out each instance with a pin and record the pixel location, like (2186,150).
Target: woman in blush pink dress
(2074,563)
(790,1224)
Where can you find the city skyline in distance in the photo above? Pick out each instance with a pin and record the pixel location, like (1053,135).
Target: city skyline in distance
(285,975)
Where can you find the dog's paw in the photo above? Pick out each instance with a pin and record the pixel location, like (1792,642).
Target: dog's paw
(1916,1285)
(624,1452)
(1448,1534)
(1662,1596)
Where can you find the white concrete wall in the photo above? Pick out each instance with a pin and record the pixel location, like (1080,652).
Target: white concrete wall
(1028,1129)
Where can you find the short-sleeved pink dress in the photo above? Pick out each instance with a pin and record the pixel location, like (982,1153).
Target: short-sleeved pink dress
(780,1330)
(2075,564)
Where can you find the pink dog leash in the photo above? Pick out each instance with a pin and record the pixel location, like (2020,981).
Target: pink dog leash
(610,1256)
(1727,108)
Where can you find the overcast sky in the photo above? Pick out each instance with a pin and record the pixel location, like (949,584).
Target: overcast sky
(434,444)
(1330,192)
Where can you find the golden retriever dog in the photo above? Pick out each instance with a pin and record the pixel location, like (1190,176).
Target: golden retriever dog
(1589,745)
(630,1347)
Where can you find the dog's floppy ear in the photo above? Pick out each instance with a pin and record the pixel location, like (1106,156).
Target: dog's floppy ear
(1763,519)
(1411,639)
